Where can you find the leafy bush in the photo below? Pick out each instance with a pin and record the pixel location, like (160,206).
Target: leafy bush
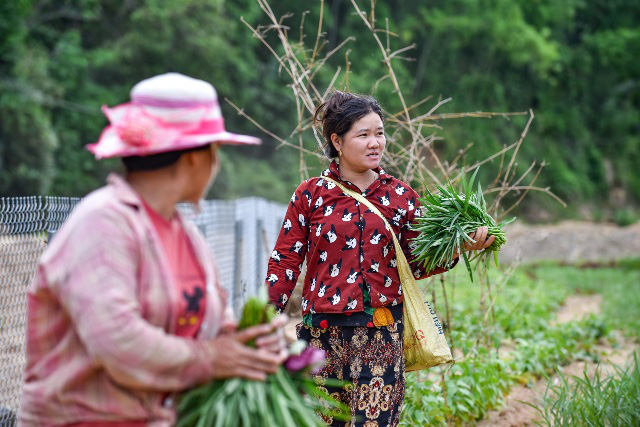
(625,216)
(469,390)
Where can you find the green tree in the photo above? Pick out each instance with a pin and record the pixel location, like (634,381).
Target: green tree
(573,62)
(27,138)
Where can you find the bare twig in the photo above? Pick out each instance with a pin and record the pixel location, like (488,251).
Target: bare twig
(417,104)
(319,35)
(515,153)
(328,55)
(479,114)
(508,171)
(503,280)
(272,135)
(529,187)
(404,49)
(301,41)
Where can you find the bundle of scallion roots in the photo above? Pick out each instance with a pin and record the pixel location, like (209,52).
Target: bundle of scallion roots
(448,217)
(287,398)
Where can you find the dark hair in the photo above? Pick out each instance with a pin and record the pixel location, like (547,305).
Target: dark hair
(157,161)
(340,112)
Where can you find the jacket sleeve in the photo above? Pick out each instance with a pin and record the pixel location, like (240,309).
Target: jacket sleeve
(291,248)
(97,288)
(408,234)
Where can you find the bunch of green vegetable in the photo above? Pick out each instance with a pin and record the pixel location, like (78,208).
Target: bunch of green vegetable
(287,398)
(447,218)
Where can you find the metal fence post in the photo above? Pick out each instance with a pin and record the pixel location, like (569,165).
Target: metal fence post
(238,285)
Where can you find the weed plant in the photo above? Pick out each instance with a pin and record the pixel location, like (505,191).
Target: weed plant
(594,401)
(556,346)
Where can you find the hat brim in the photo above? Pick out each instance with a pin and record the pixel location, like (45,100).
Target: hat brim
(110,145)
(226,138)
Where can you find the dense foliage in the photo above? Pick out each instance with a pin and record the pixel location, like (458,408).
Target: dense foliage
(574,62)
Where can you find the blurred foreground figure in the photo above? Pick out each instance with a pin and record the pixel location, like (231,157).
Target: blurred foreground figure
(126,307)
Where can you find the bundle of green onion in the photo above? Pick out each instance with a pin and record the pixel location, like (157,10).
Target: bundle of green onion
(287,398)
(447,218)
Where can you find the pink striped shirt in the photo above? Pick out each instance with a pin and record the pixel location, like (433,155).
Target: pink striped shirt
(102,310)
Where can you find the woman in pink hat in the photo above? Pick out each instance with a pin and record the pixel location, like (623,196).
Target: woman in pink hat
(126,307)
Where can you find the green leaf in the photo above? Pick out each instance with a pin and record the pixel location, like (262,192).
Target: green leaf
(468,189)
(466,262)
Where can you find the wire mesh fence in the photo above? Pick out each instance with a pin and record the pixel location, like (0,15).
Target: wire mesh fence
(240,233)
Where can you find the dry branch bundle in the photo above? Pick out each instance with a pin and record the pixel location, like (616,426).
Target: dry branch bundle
(411,153)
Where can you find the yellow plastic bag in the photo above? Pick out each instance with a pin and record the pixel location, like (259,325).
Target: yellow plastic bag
(425,345)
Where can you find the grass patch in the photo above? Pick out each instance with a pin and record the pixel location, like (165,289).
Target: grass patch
(594,401)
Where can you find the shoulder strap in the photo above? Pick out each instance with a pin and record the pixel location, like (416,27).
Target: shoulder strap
(402,260)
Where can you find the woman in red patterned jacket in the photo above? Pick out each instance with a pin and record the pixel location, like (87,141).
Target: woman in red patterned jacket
(351,263)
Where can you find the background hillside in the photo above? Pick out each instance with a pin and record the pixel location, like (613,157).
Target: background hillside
(574,62)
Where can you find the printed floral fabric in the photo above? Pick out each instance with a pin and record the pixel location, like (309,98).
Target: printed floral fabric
(366,367)
(347,247)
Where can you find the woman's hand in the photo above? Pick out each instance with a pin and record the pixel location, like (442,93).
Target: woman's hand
(232,358)
(481,241)
(276,341)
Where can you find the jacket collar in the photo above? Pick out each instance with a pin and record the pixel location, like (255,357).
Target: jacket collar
(334,172)
(127,195)
(123,191)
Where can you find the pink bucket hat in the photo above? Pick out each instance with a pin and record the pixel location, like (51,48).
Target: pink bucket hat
(168,112)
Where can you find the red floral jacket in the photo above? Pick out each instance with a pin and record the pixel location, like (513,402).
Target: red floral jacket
(346,246)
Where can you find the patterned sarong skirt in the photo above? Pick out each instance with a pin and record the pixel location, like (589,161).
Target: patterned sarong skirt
(368,364)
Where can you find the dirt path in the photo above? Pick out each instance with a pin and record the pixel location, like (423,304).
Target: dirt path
(576,307)
(515,413)
(570,242)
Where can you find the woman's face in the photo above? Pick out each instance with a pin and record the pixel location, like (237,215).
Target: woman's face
(362,146)
(205,169)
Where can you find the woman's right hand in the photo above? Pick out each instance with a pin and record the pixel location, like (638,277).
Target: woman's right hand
(232,358)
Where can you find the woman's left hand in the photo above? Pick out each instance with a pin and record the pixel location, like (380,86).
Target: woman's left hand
(275,342)
(481,241)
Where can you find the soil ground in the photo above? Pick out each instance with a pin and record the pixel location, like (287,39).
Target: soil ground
(570,242)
